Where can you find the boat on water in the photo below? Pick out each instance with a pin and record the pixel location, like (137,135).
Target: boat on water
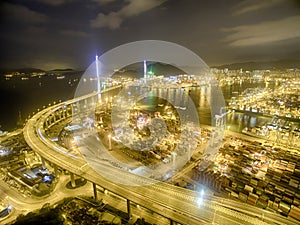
(3,133)
(60,77)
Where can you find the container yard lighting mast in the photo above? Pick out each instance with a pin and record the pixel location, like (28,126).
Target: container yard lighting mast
(145,71)
(98,79)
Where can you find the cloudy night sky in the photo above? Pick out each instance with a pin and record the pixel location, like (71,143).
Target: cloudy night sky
(50,34)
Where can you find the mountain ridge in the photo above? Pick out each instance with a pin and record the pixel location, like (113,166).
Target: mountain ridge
(159,67)
(260,65)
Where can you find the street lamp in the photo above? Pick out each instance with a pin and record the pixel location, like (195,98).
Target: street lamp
(189,152)
(106,102)
(228,129)
(174,154)
(109,142)
(200,199)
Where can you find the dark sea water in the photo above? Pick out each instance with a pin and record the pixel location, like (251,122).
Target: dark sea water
(201,96)
(27,96)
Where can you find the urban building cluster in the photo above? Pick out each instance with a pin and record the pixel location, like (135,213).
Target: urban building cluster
(261,173)
(22,169)
(82,212)
(282,101)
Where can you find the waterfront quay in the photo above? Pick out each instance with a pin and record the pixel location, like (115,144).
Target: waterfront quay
(259,173)
(282,101)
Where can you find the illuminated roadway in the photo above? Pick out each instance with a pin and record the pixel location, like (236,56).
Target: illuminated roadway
(177,204)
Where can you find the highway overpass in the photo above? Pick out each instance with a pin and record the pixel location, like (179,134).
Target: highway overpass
(179,205)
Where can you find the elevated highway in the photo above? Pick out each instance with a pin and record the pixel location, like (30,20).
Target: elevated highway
(177,204)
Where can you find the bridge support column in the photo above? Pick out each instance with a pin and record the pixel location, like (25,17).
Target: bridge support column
(62,114)
(43,163)
(69,111)
(128,208)
(72,109)
(95,191)
(54,117)
(78,106)
(73,184)
(55,169)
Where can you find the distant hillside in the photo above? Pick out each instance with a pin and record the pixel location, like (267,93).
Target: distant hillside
(279,64)
(137,70)
(61,70)
(158,68)
(165,69)
(22,70)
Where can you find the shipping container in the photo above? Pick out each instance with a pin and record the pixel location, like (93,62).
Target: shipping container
(284,206)
(295,212)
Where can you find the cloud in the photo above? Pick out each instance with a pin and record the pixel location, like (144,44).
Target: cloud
(74,33)
(114,20)
(254,5)
(53,2)
(264,33)
(103,2)
(21,14)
